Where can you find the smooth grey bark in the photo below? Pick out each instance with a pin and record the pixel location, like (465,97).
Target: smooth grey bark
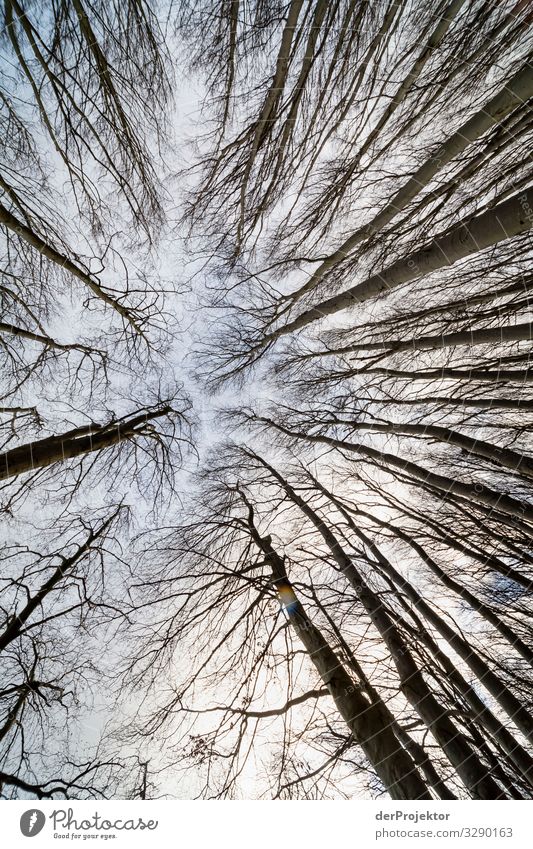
(46,341)
(517,91)
(412,683)
(484,336)
(478,493)
(392,763)
(73,443)
(505,457)
(507,219)
(50,252)
(473,374)
(452,584)
(16,625)
(478,403)
(493,684)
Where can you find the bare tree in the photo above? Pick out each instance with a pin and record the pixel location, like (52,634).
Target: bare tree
(50,599)
(342,593)
(223,553)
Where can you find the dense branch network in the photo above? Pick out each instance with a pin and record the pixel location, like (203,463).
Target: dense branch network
(337,602)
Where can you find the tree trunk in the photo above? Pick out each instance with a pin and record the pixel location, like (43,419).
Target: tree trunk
(478,493)
(478,403)
(510,218)
(412,683)
(449,13)
(484,336)
(492,683)
(486,612)
(392,763)
(505,457)
(16,625)
(507,701)
(265,122)
(489,561)
(73,443)
(50,252)
(417,752)
(46,341)
(517,91)
(471,375)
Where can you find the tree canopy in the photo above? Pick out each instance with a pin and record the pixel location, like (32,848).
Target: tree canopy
(266,471)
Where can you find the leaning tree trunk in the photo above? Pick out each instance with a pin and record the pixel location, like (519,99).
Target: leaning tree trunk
(463,758)
(510,510)
(517,91)
(477,403)
(483,336)
(17,622)
(24,232)
(507,701)
(510,218)
(488,561)
(265,122)
(46,341)
(392,763)
(415,749)
(447,16)
(448,581)
(467,375)
(74,443)
(505,457)
(492,683)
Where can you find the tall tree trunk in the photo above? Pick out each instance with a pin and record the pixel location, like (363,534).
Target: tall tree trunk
(18,621)
(265,122)
(483,336)
(417,752)
(74,443)
(505,457)
(477,403)
(517,91)
(50,252)
(507,701)
(470,375)
(463,758)
(490,681)
(510,218)
(392,763)
(445,20)
(504,505)
(46,341)
(457,543)
(476,604)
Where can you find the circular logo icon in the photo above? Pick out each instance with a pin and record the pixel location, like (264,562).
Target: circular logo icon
(32,822)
